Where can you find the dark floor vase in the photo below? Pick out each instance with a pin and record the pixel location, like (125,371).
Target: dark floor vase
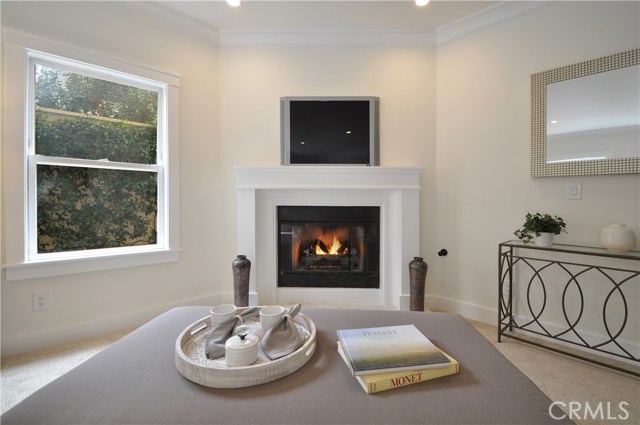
(417,278)
(241,268)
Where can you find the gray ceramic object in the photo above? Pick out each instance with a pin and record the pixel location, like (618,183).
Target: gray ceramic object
(241,268)
(417,278)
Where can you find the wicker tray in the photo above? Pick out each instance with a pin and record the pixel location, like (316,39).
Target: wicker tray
(193,364)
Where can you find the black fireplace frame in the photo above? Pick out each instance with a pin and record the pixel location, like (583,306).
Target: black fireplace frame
(368,216)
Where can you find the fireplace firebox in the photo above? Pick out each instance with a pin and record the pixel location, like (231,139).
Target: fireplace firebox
(327,246)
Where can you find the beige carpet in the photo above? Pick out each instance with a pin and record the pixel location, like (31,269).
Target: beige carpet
(562,378)
(23,374)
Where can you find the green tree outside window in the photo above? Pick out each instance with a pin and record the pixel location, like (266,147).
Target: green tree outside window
(88,207)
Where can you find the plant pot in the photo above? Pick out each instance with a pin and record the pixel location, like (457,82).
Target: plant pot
(618,238)
(544,239)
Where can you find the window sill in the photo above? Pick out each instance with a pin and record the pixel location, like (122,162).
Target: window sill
(50,268)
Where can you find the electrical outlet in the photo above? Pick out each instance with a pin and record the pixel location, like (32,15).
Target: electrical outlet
(40,302)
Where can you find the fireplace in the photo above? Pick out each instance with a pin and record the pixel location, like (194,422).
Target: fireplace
(395,192)
(329,246)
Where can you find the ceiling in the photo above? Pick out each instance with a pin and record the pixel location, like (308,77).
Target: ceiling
(327,14)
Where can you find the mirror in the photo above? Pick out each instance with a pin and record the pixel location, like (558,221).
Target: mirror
(586,117)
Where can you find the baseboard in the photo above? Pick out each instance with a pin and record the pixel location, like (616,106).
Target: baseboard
(71,333)
(467,310)
(489,316)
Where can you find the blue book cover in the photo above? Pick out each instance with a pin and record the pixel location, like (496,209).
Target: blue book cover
(389,349)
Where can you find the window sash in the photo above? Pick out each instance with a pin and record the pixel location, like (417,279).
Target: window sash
(32,232)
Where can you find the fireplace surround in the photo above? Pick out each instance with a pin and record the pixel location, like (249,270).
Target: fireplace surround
(328,246)
(394,191)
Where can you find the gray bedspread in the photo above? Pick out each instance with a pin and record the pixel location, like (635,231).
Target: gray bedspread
(135,381)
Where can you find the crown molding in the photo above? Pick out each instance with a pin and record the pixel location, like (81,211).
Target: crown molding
(466,25)
(325,36)
(178,21)
(485,18)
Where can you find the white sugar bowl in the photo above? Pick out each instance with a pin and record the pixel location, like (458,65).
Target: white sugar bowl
(242,349)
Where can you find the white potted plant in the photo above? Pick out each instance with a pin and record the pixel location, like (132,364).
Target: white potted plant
(542,227)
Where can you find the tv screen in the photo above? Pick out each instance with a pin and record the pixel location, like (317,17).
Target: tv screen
(329,130)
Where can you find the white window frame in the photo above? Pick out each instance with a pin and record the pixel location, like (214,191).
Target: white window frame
(21,259)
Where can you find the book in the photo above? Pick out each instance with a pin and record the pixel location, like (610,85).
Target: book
(377,382)
(389,349)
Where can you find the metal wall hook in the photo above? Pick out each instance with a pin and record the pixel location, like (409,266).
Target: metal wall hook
(442,253)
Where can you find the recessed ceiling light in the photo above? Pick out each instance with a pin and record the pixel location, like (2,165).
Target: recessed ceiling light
(422,2)
(554,121)
(234,3)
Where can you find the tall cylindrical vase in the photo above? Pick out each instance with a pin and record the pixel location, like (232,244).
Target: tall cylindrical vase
(241,267)
(417,278)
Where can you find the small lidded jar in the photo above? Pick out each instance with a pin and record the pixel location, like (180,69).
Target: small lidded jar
(242,349)
(618,238)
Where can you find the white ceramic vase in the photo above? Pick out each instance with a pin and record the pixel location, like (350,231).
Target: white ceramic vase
(618,238)
(545,239)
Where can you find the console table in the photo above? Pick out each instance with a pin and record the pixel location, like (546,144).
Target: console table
(544,293)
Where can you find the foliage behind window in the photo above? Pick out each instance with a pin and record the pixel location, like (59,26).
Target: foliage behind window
(94,206)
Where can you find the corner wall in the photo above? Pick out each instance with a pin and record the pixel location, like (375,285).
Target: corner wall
(483,146)
(253,78)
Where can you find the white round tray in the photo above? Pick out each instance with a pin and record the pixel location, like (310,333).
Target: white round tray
(194,365)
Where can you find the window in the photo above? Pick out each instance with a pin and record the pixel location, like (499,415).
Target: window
(95,161)
(99,167)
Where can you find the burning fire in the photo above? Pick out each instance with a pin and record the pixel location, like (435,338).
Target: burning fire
(322,242)
(334,249)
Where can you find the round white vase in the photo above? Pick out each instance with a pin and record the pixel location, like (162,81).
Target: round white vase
(545,239)
(618,238)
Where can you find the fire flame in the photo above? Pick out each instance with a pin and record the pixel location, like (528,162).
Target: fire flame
(333,249)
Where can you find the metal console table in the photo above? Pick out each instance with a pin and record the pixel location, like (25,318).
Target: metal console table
(561,337)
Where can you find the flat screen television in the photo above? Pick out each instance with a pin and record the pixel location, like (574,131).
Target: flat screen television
(329,130)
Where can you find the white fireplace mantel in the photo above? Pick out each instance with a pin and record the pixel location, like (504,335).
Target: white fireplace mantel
(396,191)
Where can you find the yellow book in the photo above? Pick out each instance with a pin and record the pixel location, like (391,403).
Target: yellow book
(386,381)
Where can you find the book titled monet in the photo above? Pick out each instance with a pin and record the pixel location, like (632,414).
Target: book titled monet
(374,383)
(389,349)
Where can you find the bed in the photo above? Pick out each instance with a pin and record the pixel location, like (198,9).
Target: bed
(135,381)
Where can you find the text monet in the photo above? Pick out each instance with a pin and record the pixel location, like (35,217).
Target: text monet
(410,378)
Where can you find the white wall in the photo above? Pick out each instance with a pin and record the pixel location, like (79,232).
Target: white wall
(476,186)
(229,115)
(483,145)
(93,303)
(252,80)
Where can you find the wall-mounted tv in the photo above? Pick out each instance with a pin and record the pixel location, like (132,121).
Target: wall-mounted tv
(340,130)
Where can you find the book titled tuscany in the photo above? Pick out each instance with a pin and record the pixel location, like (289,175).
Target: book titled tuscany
(389,349)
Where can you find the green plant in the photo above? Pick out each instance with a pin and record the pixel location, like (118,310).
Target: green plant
(537,223)
(86,118)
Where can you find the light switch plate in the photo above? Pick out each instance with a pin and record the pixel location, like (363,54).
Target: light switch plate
(574,190)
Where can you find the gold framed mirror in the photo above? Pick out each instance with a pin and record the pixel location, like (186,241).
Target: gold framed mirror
(581,138)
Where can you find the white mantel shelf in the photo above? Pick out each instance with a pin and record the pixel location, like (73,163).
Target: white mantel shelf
(327,177)
(395,190)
